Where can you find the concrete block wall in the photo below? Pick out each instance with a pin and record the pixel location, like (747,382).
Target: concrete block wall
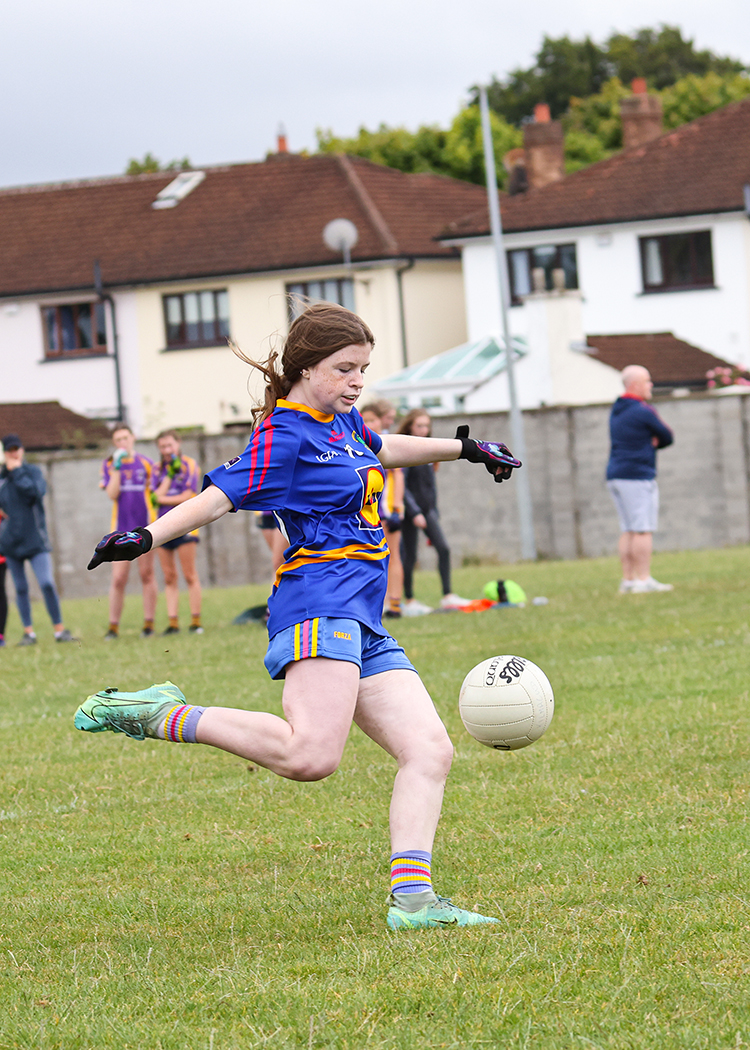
(704,481)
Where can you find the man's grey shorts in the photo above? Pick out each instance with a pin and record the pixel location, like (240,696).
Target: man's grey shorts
(637,504)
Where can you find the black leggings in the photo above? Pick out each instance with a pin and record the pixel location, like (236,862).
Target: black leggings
(3,600)
(409,540)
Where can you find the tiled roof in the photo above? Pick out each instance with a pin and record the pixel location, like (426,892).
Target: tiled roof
(242,218)
(47,425)
(671,361)
(696,169)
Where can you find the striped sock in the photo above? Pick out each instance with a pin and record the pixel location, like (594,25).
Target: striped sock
(195,621)
(410,871)
(180,724)
(148,625)
(174,622)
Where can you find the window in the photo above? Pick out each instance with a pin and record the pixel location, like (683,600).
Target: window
(197,319)
(336,290)
(547,257)
(74,329)
(677,260)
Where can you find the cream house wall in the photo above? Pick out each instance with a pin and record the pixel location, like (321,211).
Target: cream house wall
(435,308)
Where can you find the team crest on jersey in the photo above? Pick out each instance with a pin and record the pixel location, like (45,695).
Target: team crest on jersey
(372,486)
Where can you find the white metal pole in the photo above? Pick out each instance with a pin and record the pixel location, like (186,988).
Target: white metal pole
(521,478)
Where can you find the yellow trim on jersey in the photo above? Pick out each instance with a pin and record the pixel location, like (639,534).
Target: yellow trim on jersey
(314,639)
(320,416)
(354,551)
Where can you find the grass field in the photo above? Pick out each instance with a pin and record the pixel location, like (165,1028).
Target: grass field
(163,896)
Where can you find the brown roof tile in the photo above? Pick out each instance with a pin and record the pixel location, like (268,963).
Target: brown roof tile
(696,169)
(242,218)
(47,425)
(671,361)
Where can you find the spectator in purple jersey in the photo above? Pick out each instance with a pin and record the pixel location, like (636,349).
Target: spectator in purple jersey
(126,478)
(175,481)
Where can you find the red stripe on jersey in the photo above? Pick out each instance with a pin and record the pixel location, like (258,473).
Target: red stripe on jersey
(367,435)
(266,426)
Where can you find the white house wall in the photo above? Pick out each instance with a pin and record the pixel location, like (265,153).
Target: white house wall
(86,384)
(609,276)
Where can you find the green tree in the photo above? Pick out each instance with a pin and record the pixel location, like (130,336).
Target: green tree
(457,152)
(598,116)
(662,56)
(564,69)
(150,164)
(693,96)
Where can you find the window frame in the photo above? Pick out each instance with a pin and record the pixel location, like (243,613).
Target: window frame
(294,294)
(667,284)
(219,337)
(96,306)
(516,299)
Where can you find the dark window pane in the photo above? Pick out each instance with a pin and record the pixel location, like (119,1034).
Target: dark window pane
(50,324)
(67,325)
(520,273)
(704,270)
(101,325)
(222,309)
(677,250)
(567,262)
(83,326)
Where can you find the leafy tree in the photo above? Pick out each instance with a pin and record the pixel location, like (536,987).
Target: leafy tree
(693,96)
(663,57)
(457,152)
(598,115)
(564,69)
(150,164)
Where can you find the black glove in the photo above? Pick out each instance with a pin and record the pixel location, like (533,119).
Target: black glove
(496,457)
(122,546)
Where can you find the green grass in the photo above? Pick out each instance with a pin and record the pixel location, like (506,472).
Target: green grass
(167,897)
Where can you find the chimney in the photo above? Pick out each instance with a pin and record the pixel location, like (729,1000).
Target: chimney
(641,115)
(543,142)
(281,146)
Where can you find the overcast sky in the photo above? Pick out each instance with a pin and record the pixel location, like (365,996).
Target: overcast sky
(85,85)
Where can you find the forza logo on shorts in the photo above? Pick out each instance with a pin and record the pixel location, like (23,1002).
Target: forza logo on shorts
(342,634)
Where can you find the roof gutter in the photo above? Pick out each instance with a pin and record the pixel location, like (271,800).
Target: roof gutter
(105,297)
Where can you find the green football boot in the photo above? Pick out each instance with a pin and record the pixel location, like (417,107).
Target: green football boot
(137,715)
(439,912)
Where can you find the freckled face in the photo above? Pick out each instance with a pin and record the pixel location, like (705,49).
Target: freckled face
(335,383)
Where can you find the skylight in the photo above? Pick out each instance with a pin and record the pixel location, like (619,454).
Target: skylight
(178,188)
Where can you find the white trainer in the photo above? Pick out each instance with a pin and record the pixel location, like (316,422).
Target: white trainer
(412,607)
(452,601)
(649,586)
(626,587)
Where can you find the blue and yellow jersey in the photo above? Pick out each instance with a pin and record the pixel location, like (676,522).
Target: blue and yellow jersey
(321,477)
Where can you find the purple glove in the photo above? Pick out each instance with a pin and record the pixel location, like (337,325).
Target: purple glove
(121,546)
(496,457)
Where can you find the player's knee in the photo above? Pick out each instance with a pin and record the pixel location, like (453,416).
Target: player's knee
(307,769)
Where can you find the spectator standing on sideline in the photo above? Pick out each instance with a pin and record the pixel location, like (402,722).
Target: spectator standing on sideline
(23,537)
(375,415)
(175,481)
(420,499)
(126,478)
(636,432)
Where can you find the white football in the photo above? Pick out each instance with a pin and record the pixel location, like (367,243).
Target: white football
(506,702)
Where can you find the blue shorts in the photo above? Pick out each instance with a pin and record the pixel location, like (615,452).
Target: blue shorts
(335,639)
